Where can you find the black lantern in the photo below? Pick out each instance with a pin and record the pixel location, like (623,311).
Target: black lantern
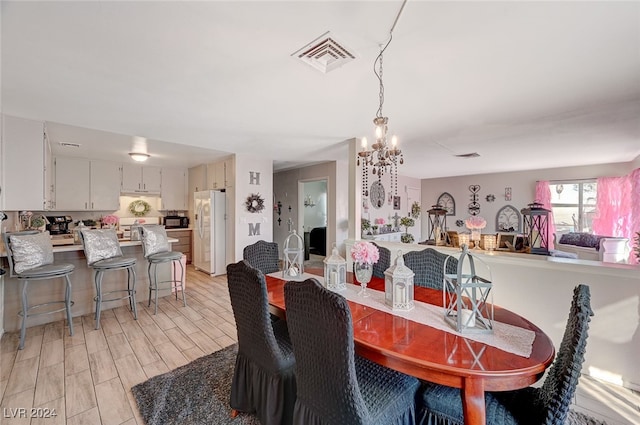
(536,228)
(437,225)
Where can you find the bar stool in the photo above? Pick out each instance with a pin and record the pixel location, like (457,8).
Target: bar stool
(103,254)
(155,246)
(30,257)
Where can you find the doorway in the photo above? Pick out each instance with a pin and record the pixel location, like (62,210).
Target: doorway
(313,219)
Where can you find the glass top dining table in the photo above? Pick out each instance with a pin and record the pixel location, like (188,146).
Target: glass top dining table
(435,355)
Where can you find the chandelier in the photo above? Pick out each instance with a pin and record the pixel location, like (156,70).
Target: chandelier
(383,158)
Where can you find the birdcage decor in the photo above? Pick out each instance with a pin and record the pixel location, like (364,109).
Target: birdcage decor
(398,285)
(467,297)
(293,254)
(335,271)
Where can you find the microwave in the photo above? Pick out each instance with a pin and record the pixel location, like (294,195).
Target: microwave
(176,222)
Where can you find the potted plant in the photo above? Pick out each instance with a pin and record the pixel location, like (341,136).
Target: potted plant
(365,226)
(407,222)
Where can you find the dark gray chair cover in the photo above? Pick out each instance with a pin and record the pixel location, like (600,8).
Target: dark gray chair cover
(383,262)
(548,405)
(336,387)
(264,379)
(263,256)
(428,265)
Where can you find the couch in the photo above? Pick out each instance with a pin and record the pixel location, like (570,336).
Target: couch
(593,247)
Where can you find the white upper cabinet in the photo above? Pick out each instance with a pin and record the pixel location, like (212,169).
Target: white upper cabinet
(82,184)
(215,175)
(72,184)
(220,174)
(174,189)
(105,185)
(23,146)
(139,179)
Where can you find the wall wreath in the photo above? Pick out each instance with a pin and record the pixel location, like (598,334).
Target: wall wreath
(139,208)
(254,203)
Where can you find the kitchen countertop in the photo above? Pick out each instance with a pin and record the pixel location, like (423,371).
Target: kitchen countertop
(71,248)
(178,229)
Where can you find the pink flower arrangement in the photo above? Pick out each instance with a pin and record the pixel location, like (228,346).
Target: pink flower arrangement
(380,221)
(110,219)
(365,252)
(475,222)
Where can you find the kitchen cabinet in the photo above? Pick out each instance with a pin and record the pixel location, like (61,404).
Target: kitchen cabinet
(184,241)
(139,179)
(105,187)
(216,175)
(174,189)
(82,184)
(220,175)
(23,163)
(72,184)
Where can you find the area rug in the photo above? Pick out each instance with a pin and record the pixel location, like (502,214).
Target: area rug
(197,393)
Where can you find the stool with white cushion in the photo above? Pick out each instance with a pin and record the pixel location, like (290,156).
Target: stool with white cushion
(30,257)
(155,245)
(102,249)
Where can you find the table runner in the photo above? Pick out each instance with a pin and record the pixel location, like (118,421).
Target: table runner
(509,338)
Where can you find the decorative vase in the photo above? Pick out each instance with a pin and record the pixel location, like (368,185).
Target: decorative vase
(363,271)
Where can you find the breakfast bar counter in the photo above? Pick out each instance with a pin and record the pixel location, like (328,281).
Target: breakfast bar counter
(83,288)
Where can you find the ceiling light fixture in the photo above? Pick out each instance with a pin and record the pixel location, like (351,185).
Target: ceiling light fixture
(382,158)
(139,148)
(139,156)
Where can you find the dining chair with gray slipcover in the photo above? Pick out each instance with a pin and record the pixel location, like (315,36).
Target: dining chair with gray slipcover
(547,405)
(428,266)
(263,256)
(383,263)
(336,386)
(263,379)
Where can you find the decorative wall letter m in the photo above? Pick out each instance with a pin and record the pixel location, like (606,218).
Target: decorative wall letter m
(254,229)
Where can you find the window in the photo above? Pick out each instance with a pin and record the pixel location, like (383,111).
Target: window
(573,204)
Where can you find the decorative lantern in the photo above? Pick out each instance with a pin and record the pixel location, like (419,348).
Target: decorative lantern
(536,228)
(335,271)
(463,239)
(398,285)
(293,256)
(489,242)
(437,224)
(467,307)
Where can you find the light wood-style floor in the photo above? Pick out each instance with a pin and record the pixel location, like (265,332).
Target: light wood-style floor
(87,378)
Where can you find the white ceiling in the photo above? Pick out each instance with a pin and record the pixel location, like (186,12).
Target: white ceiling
(525,84)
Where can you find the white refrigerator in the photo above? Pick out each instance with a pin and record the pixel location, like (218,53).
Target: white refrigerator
(209,232)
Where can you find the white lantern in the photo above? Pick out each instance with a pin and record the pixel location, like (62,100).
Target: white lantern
(335,271)
(398,285)
(293,254)
(467,297)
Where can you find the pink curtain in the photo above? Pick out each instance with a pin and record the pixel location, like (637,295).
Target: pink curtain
(618,208)
(613,207)
(543,196)
(634,222)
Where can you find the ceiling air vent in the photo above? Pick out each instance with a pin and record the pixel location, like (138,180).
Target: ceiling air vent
(325,53)
(69,145)
(468,155)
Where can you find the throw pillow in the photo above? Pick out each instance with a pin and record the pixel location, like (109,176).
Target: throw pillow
(100,244)
(31,251)
(154,239)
